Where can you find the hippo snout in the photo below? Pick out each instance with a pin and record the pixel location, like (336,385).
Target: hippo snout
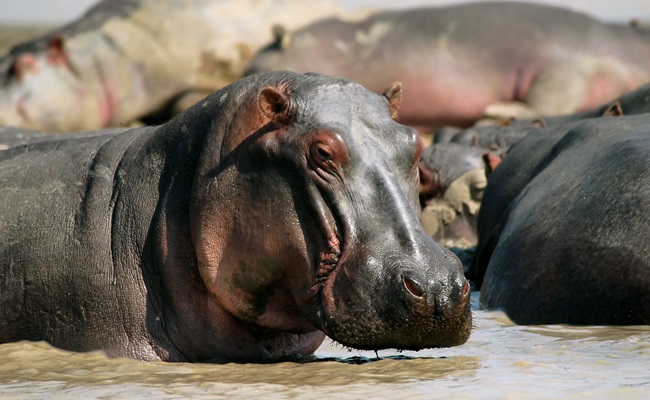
(404,301)
(448,298)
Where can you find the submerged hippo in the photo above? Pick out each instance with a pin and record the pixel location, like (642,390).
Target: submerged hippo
(126,59)
(457,61)
(279,210)
(564,227)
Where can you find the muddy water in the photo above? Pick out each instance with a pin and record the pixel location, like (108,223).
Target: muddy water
(500,360)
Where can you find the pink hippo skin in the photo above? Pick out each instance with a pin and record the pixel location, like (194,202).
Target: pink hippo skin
(125,59)
(460,62)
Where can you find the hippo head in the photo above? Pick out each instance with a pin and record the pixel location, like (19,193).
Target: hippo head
(452,180)
(38,85)
(310,221)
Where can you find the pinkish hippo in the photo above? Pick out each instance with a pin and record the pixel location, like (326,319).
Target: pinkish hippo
(458,63)
(125,59)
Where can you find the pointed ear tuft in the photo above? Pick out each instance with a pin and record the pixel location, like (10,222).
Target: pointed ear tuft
(491,161)
(394,96)
(274,104)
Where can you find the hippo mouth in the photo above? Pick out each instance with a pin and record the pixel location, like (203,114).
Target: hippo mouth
(330,255)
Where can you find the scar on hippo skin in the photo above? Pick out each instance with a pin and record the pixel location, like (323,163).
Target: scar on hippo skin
(394,96)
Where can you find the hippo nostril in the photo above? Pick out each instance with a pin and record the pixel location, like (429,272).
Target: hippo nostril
(413,287)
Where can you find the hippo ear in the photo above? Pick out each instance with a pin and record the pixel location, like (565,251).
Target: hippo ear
(539,122)
(274,104)
(56,53)
(428,184)
(22,65)
(394,96)
(614,110)
(281,36)
(491,162)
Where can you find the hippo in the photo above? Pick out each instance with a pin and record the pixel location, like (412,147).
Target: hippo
(564,229)
(547,59)
(280,209)
(11,136)
(127,60)
(502,134)
(452,180)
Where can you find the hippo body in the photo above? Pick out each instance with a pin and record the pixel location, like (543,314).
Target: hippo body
(11,136)
(564,226)
(455,61)
(126,59)
(277,210)
(500,136)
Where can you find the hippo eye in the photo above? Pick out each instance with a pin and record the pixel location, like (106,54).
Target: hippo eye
(322,154)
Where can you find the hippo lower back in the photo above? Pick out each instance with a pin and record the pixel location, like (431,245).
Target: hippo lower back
(563,228)
(126,59)
(455,61)
(277,210)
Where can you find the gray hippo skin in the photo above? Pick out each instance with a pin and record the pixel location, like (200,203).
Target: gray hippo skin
(500,135)
(11,136)
(564,226)
(126,59)
(456,61)
(452,180)
(278,210)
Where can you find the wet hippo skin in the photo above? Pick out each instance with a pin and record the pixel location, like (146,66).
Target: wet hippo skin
(280,209)
(564,228)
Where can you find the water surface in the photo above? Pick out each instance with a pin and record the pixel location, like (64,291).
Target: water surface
(501,360)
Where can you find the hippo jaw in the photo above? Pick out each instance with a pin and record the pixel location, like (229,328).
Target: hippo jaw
(406,310)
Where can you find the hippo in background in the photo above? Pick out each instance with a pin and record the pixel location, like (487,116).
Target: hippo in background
(564,226)
(452,180)
(500,135)
(139,243)
(124,60)
(456,61)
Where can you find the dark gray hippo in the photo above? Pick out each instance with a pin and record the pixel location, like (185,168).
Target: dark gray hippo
(500,135)
(278,210)
(11,136)
(127,59)
(564,227)
(452,180)
(458,61)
